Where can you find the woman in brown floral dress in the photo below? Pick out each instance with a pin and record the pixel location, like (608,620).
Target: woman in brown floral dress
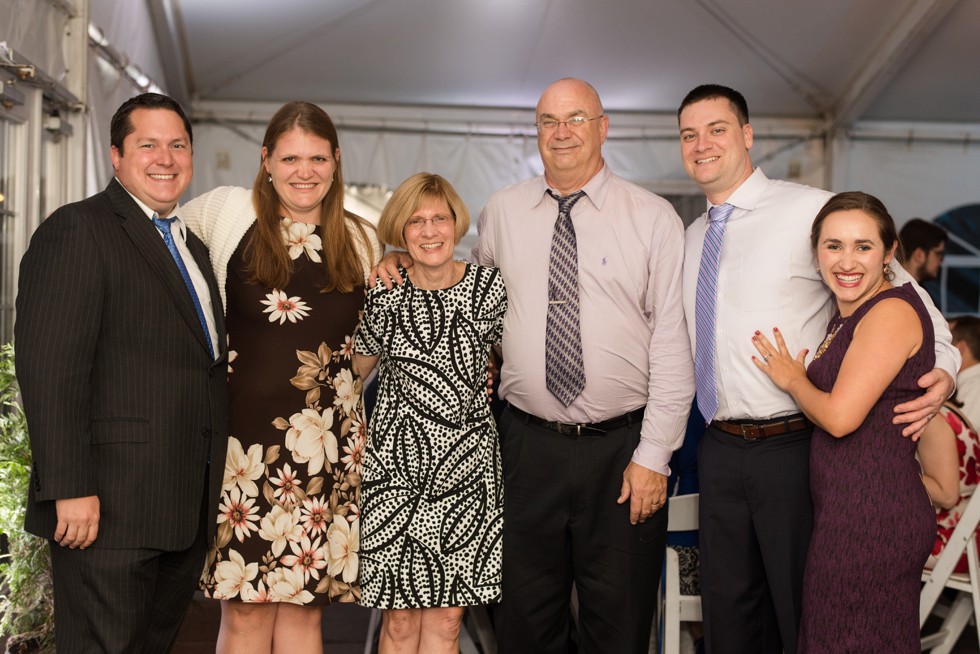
(291,265)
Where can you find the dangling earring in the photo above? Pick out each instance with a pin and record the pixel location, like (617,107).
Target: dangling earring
(269,179)
(888,273)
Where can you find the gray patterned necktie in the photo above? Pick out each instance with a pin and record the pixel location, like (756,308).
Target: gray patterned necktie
(564,368)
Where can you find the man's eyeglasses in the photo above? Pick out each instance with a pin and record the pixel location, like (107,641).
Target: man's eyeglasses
(574,122)
(417,222)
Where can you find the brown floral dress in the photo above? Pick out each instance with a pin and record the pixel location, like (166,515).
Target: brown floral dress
(288,522)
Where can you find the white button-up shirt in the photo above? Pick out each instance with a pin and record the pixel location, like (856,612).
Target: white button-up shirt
(767,278)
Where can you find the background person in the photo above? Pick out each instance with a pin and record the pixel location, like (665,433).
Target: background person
(966,339)
(924,244)
(290,264)
(121,359)
(873,525)
(939,454)
(963,459)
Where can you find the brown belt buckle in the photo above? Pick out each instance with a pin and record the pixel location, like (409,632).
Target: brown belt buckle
(751,432)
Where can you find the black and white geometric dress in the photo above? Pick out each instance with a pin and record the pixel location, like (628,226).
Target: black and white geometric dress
(431,493)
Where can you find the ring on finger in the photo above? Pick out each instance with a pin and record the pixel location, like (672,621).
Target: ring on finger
(766,358)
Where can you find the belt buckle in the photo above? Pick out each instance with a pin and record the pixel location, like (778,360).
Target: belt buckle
(570,428)
(747,433)
(567,428)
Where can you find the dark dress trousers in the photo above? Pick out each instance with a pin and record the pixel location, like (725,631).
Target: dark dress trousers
(123,401)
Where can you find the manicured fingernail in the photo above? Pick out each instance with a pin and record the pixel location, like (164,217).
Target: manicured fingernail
(775,329)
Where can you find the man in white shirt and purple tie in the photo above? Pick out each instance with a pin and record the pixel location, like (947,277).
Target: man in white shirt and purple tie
(748,266)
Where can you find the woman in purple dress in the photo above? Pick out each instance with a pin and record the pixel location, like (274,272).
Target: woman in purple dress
(873,522)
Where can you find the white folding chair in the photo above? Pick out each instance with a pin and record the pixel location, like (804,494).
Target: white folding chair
(967,601)
(677,608)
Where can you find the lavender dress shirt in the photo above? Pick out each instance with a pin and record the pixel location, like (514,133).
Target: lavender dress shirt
(634,336)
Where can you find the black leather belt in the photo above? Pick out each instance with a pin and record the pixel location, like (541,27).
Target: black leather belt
(581,428)
(752,431)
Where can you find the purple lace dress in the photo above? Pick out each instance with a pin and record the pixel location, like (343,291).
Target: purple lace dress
(873,525)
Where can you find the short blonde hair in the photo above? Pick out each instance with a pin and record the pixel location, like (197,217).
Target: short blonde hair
(406,200)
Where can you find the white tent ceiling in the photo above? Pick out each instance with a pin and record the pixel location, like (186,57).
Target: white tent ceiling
(836,60)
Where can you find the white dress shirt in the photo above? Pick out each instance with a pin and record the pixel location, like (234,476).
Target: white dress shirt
(968,392)
(179,232)
(634,338)
(767,278)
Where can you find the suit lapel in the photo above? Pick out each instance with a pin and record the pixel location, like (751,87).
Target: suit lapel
(200,253)
(150,245)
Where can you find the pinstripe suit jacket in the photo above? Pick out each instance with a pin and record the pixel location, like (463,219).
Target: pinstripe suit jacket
(122,398)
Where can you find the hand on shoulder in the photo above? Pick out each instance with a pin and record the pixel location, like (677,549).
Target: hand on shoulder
(387,271)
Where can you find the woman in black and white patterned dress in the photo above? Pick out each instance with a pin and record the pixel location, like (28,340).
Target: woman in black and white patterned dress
(431,493)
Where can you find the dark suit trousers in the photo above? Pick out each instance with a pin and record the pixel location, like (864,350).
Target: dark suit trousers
(123,601)
(756,518)
(562,524)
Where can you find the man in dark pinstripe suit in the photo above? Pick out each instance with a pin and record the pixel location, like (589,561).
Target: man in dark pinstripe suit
(122,362)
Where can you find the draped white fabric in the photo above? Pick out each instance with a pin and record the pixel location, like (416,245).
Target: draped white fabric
(127,26)
(914,178)
(34,29)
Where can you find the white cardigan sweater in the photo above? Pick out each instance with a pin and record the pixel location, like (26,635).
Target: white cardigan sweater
(221,217)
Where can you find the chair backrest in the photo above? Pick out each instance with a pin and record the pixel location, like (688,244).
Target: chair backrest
(683,513)
(964,535)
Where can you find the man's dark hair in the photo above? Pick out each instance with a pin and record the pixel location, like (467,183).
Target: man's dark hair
(967,329)
(712,91)
(918,233)
(122,126)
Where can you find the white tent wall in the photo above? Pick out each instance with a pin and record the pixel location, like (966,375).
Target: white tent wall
(930,170)
(127,27)
(496,148)
(42,72)
(478,149)
(35,29)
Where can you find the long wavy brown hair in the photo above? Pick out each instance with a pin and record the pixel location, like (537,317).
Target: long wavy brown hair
(267,261)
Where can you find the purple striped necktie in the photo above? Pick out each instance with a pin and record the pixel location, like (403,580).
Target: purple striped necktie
(705,311)
(564,367)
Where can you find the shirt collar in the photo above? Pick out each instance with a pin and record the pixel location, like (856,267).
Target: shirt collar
(595,189)
(150,212)
(747,195)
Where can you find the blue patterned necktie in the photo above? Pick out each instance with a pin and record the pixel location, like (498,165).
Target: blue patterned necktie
(163,224)
(564,368)
(704,312)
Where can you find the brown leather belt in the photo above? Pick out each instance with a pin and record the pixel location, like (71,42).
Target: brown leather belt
(752,431)
(581,428)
